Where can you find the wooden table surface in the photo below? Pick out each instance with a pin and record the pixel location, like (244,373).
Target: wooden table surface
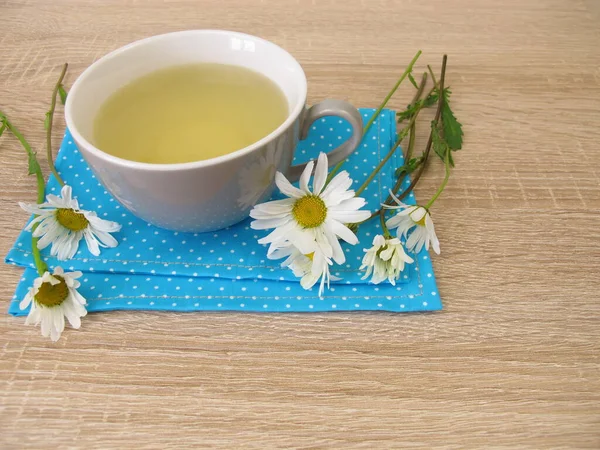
(513,359)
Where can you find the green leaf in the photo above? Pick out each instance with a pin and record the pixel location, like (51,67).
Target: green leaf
(2,128)
(62,93)
(408,167)
(412,80)
(431,99)
(47,121)
(34,165)
(452,128)
(439,144)
(406,114)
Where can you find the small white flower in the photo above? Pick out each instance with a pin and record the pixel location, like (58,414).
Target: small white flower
(312,219)
(54,297)
(385,260)
(417,219)
(256,179)
(309,268)
(62,224)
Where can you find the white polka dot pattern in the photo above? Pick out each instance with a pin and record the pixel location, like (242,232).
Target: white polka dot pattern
(227,269)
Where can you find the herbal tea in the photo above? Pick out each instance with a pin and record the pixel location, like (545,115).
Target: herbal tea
(189,113)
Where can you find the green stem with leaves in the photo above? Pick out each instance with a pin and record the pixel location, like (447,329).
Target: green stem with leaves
(58,89)
(401,136)
(443,185)
(425,156)
(408,70)
(34,168)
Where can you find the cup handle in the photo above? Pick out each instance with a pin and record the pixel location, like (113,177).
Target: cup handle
(337,108)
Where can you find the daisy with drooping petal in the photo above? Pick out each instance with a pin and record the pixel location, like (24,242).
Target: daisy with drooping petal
(52,298)
(417,219)
(62,224)
(309,268)
(385,260)
(311,219)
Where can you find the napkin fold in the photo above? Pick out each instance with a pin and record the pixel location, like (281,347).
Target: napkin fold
(227,269)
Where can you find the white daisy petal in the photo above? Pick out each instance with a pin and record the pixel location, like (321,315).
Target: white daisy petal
(101,224)
(320,174)
(305,177)
(303,240)
(46,322)
(78,298)
(435,243)
(49,235)
(266,224)
(338,254)
(26,301)
(286,187)
(343,232)
(349,205)
(350,216)
(92,243)
(341,182)
(65,193)
(32,209)
(106,240)
(36,220)
(47,224)
(417,214)
(72,316)
(278,234)
(67,248)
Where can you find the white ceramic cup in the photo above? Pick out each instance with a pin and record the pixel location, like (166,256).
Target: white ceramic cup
(209,194)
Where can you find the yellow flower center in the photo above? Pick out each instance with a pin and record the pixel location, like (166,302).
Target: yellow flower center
(70,219)
(50,295)
(310,256)
(309,211)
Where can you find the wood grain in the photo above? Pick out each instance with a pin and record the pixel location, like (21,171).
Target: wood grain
(513,360)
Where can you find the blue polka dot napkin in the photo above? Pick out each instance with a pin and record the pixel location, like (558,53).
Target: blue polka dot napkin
(158,269)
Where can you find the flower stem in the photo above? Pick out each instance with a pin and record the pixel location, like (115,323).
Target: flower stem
(384,228)
(430,141)
(379,166)
(401,136)
(411,137)
(443,185)
(423,160)
(50,118)
(432,74)
(35,167)
(394,89)
(408,70)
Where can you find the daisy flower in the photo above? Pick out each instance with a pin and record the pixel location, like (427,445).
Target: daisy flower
(311,219)
(52,298)
(385,260)
(309,268)
(418,219)
(256,179)
(61,223)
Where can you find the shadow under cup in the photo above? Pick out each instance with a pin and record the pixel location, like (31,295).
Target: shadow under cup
(197,196)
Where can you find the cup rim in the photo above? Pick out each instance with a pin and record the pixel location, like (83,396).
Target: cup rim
(294,113)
